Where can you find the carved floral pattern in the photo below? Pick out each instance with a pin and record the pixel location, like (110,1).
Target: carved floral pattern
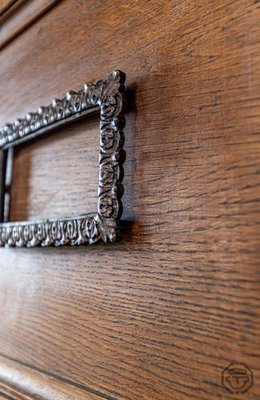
(108,95)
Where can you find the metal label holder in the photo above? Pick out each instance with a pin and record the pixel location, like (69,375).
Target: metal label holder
(105,97)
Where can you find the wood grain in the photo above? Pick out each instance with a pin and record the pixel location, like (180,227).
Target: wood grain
(19,382)
(162,313)
(57,176)
(18,15)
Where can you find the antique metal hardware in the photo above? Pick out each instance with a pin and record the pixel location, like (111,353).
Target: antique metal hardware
(105,96)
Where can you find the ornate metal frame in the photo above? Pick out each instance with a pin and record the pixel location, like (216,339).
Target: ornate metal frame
(107,97)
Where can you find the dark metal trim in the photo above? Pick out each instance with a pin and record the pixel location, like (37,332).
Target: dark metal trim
(107,97)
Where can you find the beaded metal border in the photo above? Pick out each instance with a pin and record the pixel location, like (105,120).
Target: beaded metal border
(107,97)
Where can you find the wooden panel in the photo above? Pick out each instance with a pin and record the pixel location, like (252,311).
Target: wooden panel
(57,176)
(17,15)
(162,313)
(20,382)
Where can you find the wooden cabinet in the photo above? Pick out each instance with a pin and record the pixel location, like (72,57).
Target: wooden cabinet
(161,314)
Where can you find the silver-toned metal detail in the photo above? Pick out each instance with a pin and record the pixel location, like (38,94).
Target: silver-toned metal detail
(107,97)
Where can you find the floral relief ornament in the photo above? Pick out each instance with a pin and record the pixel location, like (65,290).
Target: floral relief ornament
(108,96)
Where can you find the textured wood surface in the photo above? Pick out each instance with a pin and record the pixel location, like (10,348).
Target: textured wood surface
(18,15)
(57,176)
(23,383)
(162,313)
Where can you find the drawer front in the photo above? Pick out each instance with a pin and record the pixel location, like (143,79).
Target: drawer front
(162,313)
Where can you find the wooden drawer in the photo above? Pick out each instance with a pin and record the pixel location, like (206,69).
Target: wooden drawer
(162,313)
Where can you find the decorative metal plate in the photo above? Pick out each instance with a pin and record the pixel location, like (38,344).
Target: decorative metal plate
(105,96)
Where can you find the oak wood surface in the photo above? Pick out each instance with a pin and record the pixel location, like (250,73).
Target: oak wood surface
(17,15)
(162,313)
(23,383)
(57,175)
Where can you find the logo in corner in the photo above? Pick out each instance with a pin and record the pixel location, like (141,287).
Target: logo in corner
(237,378)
